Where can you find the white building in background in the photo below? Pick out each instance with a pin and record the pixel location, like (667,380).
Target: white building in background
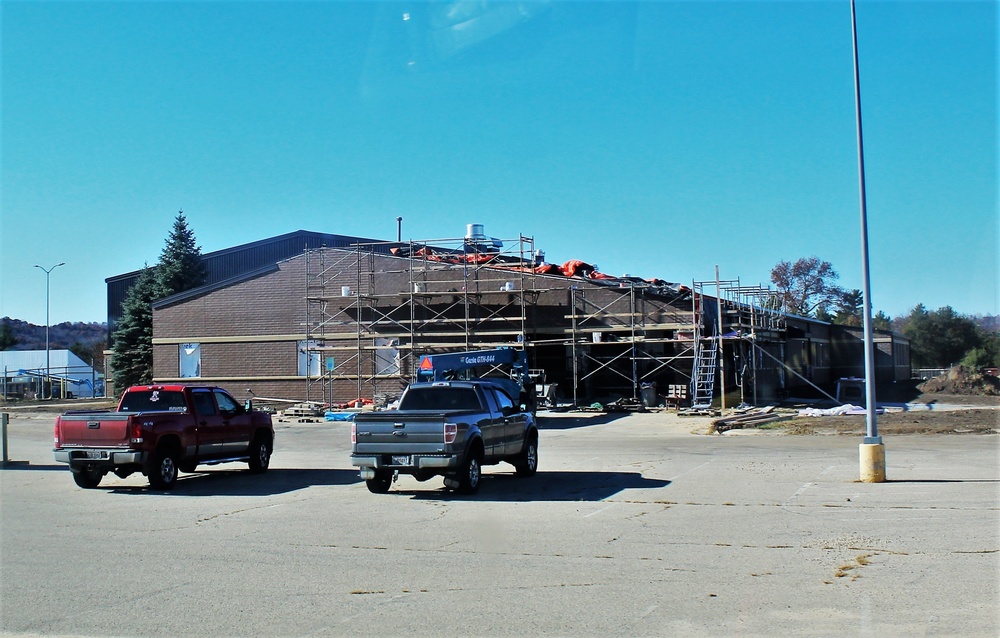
(24,375)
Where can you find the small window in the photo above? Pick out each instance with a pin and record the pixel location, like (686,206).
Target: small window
(190,360)
(309,360)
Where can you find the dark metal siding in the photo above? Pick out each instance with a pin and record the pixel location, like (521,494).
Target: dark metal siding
(233,262)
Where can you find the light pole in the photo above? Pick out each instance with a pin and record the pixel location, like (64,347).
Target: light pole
(47,271)
(872,450)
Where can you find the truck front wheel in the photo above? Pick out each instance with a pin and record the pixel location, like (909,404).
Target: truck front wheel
(380,484)
(88,478)
(260,455)
(163,472)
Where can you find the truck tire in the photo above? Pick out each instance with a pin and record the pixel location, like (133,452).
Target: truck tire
(88,478)
(380,484)
(470,472)
(163,470)
(527,461)
(260,455)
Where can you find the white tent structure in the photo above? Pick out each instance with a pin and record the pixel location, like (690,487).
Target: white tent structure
(26,374)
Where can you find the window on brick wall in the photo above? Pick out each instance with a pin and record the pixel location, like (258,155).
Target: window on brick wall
(190,360)
(309,360)
(386,355)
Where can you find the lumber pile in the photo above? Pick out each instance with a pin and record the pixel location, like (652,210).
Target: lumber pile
(749,418)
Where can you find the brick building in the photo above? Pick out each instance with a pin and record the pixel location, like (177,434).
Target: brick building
(335,323)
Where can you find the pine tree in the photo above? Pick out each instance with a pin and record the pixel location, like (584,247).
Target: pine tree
(180,266)
(133,338)
(180,269)
(7,337)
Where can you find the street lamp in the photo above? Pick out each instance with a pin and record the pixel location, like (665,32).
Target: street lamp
(872,449)
(47,271)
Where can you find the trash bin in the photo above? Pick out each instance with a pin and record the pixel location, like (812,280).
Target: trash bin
(648,391)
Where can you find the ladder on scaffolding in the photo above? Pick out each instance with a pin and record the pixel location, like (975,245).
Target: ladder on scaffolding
(703,379)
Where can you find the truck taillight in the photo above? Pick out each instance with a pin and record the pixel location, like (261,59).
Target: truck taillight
(55,435)
(136,432)
(450,432)
(354,433)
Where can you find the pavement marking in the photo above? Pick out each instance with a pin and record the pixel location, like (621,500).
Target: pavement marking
(609,506)
(648,611)
(674,478)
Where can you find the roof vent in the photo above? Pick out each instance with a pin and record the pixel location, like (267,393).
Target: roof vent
(474,232)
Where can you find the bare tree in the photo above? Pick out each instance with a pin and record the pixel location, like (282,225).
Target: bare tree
(806,285)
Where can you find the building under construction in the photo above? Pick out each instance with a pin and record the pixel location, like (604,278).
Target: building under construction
(333,324)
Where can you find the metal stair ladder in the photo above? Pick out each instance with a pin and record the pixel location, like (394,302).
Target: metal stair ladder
(703,381)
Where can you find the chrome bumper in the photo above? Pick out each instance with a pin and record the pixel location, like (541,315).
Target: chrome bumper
(107,456)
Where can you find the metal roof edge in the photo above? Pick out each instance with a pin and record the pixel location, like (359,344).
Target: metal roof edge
(202,290)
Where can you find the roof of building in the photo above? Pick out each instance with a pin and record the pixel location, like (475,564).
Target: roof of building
(62,360)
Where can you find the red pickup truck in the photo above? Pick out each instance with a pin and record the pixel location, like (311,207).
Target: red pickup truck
(162,429)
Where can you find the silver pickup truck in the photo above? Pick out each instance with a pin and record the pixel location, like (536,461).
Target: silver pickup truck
(449,429)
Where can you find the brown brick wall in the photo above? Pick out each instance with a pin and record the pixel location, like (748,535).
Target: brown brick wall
(280,303)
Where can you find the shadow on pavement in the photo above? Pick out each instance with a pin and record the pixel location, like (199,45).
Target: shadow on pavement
(578,420)
(545,486)
(242,483)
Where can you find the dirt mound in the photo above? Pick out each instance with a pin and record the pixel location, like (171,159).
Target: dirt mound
(961,380)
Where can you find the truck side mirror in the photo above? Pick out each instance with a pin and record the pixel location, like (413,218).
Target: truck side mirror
(248,406)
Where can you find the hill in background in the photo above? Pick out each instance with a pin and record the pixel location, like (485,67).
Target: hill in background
(86,340)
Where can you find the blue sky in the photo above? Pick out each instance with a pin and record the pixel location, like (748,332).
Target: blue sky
(658,139)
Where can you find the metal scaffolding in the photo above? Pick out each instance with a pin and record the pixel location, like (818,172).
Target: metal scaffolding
(373,309)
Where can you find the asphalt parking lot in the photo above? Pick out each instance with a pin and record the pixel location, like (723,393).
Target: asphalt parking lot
(634,525)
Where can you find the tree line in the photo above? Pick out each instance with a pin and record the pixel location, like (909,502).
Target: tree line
(938,338)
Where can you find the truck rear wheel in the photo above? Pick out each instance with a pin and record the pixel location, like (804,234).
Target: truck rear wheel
(380,484)
(527,462)
(471,472)
(163,471)
(88,478)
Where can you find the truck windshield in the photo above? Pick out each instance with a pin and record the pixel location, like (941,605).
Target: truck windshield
(440,398)
(153,401)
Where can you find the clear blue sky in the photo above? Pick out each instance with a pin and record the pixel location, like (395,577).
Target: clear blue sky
(659,139)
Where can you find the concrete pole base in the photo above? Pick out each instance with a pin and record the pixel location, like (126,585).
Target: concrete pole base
(872,462)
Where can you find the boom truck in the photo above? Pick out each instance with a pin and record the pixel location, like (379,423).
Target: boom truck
(453,366)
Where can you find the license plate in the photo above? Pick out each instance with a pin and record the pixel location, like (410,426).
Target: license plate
(403,459)
(96,454)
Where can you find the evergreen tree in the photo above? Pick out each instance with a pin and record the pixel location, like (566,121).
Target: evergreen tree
(940,338)
(180,265)
(180,269)
(7,337)
(133,338)
(850,308)
(881,321)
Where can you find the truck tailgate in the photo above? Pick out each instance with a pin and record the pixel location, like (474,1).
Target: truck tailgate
(407,433)
(106,429)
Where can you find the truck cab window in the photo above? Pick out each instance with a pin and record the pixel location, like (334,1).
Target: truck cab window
(203,403)
(227,404)
(506,403)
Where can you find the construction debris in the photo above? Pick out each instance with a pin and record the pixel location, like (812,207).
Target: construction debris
(303,410)
(748,418)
